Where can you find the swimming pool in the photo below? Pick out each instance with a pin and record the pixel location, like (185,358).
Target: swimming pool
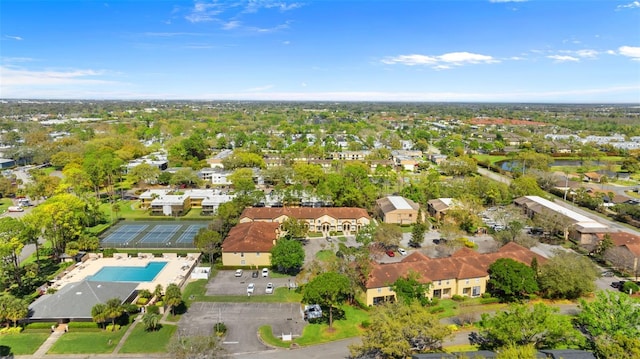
(128,274)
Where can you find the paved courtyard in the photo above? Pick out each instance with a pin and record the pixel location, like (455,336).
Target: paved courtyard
(226,283)
(243,321)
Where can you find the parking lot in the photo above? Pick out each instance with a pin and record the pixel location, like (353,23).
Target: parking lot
(243,321)
(226,283)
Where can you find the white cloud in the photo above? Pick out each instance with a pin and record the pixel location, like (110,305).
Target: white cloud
(230,25)
(260,88)
(441,62)
(18,38)
(12,76)
(204,12)
(631,5)
(563,58)
(630,51)
(587,53)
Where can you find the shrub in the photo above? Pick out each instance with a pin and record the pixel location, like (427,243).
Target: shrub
(220,329)
(131,308)
(153,309)
(486,295)
(435,310)
(489,300)
(82,325)
(41,325)
(458,298)
(630,286)
(365,324)
(434,302)
(11,330)
(452,327)
(145,293)
(110,328)
(142,301)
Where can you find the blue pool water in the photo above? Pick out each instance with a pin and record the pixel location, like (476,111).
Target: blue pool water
(128,274)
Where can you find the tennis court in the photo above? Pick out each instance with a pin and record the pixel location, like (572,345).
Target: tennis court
(178,234)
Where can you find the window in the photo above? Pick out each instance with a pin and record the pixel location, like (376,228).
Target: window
(242,262)
(466,291)
(447,282)
(477,280)
(466,282)
(439,282)
(476,291)
(257,254)
(242,254)
(379,290)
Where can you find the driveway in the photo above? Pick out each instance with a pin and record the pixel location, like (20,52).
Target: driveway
(243,321)
(226,283)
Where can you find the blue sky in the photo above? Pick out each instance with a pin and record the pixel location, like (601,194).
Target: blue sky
(418,50)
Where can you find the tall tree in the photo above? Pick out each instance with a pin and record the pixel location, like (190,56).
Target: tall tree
(287,256)
(567,275)
(209,242)
(113,310)
(98,313)
(62,219)
(11,243)
(398,330)
(329,289)
(173,296)
(511,280)
(409,288)
(609,319)
(542,326)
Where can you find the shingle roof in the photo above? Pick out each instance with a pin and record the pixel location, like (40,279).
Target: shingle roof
(75,300)
(390,203)
(251,237)
(258,213)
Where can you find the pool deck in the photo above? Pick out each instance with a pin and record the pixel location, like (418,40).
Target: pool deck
(176,270)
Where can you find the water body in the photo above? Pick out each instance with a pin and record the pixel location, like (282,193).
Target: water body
(508,165)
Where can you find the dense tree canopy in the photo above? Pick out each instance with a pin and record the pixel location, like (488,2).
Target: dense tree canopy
(511,280)
(287,256)
(398,330)
(567,275)
(542,326)
(328,289)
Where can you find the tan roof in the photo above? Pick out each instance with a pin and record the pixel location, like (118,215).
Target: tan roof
(461,265)
(251,237)
(629,240)
(438,204)
(261,213)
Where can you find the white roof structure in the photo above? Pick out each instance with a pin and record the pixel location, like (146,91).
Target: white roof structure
(399,202)
(580,220)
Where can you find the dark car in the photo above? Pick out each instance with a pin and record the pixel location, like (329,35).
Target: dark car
(391,253)
(255,274)
(618,285)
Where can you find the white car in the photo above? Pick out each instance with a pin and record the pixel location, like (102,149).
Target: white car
(402,251)
(250,288)
(265,272)
(269,289)
(238,272)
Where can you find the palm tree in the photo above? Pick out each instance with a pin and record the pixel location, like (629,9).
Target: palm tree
(113,309)
(151,321)
(18,309)
(173,297)
(98,313)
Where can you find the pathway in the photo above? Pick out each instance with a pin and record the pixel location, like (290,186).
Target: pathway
(53,338)
(126,335)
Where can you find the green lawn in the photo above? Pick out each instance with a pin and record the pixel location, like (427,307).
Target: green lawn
(21,344)
(142,341)
(87,342)
(5,203)
(324,255)
(347,328)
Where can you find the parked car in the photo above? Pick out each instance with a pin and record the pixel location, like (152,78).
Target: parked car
(15,209)
(312,311)
(255,274)
(328,239)
(619,284)
(402,251)
(391,253)
(265,272)
(250,288)
(269,289)
(238,272)
(608,274)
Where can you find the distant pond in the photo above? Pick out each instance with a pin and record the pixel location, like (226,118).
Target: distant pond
(508,165)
